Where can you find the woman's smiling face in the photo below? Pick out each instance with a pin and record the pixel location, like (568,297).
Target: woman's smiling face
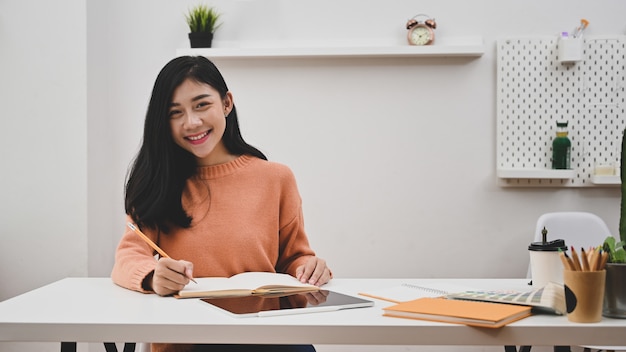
(198,120)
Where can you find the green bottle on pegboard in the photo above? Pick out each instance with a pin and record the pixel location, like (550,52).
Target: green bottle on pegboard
(561,147)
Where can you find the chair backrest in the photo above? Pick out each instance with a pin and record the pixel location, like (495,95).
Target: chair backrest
(578,229)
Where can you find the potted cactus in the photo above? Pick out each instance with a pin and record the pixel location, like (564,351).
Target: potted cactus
(615,290)
(203,21)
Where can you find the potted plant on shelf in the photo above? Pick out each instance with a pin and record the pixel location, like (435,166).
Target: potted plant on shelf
(203,21)
(615,290)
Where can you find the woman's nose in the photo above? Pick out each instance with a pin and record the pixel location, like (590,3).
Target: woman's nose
(193,120)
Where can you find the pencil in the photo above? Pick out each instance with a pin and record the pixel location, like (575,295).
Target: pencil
(603,259)
(148,240)
(567,263)
(590,253)
(576,260)
(585,260)
(594,260)
(151,244)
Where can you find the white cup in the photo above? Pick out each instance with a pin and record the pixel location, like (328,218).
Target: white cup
(545,263)
(570,50)
(545,267)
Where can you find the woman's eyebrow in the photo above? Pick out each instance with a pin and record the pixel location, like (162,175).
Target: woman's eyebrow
(199,97)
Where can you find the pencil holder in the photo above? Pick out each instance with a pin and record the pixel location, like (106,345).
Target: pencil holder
(584,294)
(570,50)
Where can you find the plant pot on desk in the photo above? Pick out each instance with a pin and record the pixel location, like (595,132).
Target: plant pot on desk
(200,39)
(615,291)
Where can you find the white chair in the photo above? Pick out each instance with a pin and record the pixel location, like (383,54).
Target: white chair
(580,230)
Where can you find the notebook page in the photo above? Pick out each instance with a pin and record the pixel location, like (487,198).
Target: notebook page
(411,290)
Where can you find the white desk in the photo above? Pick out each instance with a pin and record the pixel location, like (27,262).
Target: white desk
(96,310)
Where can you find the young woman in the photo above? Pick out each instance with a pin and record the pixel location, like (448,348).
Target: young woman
(211,201)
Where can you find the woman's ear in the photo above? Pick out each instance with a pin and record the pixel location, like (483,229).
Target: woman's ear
(228,103)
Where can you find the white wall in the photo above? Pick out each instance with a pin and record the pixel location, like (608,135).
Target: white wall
(43,138)
(395,158)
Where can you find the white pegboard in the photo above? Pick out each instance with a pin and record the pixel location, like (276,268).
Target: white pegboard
(535,90)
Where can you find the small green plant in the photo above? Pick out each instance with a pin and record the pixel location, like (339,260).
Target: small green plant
(203,18)
(616,250)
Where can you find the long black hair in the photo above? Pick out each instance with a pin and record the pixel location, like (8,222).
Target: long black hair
(158,174)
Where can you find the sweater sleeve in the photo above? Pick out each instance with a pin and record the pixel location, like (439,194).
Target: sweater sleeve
(294,244)
(294,247)
(134,260)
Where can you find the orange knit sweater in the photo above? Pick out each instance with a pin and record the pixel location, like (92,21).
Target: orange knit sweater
(247,216)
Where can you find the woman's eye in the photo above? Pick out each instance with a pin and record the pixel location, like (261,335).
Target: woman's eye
(202,104)
(174,114)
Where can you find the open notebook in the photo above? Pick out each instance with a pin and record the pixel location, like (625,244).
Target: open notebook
(548,299)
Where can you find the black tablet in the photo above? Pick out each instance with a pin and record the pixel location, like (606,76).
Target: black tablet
(263,306)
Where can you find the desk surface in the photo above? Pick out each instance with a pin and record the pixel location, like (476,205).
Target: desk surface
(96,310)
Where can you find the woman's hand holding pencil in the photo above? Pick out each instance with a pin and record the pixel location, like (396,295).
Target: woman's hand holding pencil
(593,259)
(170,275)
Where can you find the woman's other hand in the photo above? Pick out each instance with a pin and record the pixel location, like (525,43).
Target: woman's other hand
(314,272)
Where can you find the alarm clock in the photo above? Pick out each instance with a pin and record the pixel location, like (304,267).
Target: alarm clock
(421,32)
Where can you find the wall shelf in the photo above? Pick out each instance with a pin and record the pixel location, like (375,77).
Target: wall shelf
(536,174)
(535,90)
(606,179)
(461,47)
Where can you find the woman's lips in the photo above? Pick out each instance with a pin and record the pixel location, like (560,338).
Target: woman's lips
(198,138)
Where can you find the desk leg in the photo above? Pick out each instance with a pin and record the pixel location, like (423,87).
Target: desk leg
(521,349)
(111,347)
(68,346)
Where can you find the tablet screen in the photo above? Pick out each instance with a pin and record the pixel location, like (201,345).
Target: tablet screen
(309,302)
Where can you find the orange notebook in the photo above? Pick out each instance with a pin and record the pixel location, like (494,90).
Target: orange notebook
(483,314)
